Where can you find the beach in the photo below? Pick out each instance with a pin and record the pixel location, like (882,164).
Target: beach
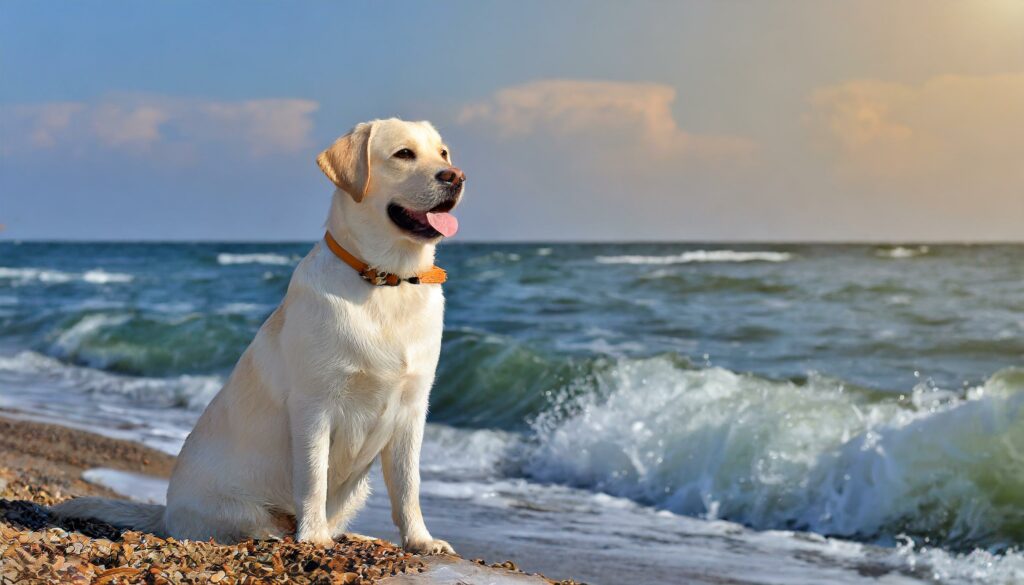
(43,464)
(647,413)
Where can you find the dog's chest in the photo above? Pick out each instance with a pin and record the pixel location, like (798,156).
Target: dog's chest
(397,332)
(392,348)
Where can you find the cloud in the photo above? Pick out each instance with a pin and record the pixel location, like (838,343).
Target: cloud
(604,119)
(965,127)
(44,123)
(159,125)
(267,125)
(118,126)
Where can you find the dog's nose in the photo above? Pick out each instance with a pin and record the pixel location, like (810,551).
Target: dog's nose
(452,176)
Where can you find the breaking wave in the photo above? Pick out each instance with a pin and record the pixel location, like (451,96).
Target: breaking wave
(153,343)
(819,456)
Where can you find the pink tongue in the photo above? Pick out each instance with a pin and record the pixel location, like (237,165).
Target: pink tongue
(444,223)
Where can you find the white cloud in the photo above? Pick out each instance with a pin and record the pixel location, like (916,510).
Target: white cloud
(951,126)
(267,125)
(155,124)
(118,126)
(609,120)
(39,126)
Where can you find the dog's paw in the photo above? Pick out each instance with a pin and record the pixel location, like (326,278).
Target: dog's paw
(317,537)
(431,546)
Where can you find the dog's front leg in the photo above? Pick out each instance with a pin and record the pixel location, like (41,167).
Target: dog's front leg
(400,461)
(311,442)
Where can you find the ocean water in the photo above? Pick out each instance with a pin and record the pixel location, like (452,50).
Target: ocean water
(858,405)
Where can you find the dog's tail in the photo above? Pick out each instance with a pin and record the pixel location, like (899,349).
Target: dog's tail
(119,513)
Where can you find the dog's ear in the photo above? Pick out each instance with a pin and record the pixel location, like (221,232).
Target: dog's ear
(347,162)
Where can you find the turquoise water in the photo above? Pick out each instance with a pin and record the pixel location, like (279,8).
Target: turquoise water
(866,392)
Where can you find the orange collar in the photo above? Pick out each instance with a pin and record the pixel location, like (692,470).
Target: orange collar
(376,277)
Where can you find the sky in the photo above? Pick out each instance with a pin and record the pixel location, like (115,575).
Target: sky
(725,120)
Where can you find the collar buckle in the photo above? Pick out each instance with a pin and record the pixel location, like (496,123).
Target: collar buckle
(380,278)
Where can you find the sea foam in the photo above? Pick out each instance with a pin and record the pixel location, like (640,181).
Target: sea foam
(901,252)
(697,256)
(98,276)
(185,391)
(226,259)
(29,275)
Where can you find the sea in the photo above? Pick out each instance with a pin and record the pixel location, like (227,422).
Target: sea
(614,412)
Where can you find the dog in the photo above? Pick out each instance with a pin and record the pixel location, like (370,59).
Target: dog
(338,375)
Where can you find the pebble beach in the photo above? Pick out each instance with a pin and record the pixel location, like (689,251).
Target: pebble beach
(42,464)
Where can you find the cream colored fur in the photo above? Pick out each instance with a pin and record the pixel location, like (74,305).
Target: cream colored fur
(338,376)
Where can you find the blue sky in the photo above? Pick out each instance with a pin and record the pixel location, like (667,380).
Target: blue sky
(589,121)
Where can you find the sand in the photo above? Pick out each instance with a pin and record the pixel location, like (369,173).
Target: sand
(41,464)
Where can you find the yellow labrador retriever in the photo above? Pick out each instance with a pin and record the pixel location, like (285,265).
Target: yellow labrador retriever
(338,375)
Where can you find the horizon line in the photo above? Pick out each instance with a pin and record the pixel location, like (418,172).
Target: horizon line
(784,242)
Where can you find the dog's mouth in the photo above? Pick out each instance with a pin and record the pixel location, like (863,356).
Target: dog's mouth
(435,223)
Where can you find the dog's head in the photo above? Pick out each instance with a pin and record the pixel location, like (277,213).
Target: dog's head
(400,175)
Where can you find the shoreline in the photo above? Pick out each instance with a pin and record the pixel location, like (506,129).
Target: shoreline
(548,529)
(43,463)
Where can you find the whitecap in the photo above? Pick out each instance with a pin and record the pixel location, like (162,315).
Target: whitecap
(71,339)
(699,256)
(169,307)
(24,275)
(100,276)
(226,259)
(243,308)
(900,252)
(49,276)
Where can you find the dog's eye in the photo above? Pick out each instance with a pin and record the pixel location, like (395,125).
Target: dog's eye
(444,154)
(405,153)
